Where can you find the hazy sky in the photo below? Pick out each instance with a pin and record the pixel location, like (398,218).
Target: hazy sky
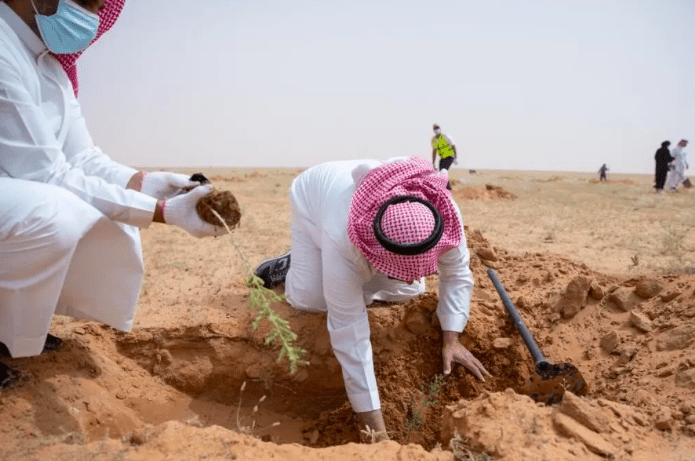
(552,85)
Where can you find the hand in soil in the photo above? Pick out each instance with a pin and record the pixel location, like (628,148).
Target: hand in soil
(453,351)
(372,426)
(372,436)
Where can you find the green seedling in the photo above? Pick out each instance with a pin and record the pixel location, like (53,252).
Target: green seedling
(431,390)
(260,299)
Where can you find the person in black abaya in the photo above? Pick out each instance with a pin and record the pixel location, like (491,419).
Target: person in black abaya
(663,158)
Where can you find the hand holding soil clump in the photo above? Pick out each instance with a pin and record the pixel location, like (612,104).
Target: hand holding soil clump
(223,202)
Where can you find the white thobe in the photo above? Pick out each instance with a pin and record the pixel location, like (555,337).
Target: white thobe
(329,274)
(679,163)
(67,241)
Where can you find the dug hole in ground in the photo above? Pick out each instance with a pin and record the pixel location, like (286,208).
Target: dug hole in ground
(171,388)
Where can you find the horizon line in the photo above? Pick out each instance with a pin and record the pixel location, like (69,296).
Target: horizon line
(464,170)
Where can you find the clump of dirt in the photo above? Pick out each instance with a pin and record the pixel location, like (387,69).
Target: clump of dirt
(224,203)
(485,194)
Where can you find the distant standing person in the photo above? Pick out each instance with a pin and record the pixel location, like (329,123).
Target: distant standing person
(443,146)
(663,158)
(679,164)
(602,172)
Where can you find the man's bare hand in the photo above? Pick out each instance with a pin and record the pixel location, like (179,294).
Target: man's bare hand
(454,352)
(372,427)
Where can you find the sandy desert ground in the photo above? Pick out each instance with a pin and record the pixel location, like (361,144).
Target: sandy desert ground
(602,273)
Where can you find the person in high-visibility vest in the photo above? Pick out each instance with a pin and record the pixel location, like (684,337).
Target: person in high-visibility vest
(443,146)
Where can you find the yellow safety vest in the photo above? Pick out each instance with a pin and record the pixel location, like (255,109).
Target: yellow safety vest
(442,147)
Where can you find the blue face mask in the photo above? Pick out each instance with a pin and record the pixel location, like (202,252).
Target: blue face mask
(71,29)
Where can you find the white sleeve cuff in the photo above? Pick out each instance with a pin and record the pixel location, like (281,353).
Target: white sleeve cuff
(353,349)
(142,210)
(122,176)
(452,322)
(362,402)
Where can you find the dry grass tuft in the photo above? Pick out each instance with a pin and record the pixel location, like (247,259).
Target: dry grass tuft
(242,423)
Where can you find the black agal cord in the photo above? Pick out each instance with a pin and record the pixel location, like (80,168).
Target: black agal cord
(408,249)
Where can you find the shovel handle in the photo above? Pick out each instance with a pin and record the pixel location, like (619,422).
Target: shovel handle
(536,353)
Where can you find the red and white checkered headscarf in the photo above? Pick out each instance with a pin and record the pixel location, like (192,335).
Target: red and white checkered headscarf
(107,18)
(405,222)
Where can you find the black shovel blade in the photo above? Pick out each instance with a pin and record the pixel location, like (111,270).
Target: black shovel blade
(552,380)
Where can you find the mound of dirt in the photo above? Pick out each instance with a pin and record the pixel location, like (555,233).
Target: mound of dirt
(485,194)
(511,426)
(175,392)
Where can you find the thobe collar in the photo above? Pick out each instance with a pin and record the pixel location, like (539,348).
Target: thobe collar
(23,31)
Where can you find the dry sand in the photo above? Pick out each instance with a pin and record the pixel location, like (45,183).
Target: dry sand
(601,272)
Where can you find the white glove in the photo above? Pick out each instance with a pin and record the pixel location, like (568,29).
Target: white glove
(162,185)
(180,211)
(456,161)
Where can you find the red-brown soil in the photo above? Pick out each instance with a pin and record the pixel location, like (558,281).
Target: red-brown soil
(170,389)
